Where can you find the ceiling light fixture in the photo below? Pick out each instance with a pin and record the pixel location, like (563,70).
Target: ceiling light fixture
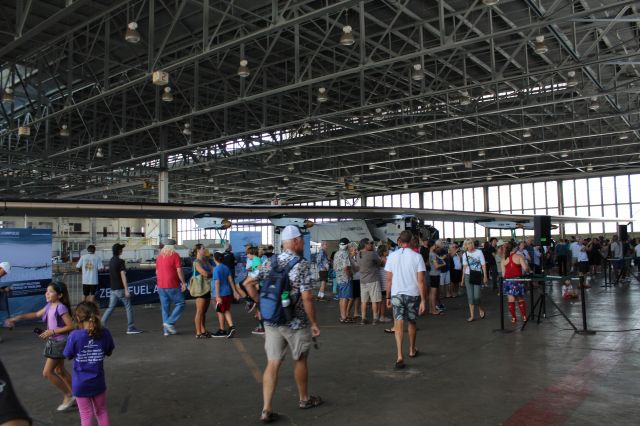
(593,104)
(99,153)
(306,129)
(132,35)
(564,154)
(405,185)
(372,166)
(346,38)
(24,131)
(572,81)
(489,177)
(322,95)
(243,69)
(167,96)
(160,78)
(7,96)
(589,168)
(521,168)
(216,188)
(285,179)
(526,133)
(425,177)
(623,137)
(210,180)
(449,167)
(539,46)
(297,152)
(490,2)
(187,129)
(392,152)
(291,167)
(421,131)
(105,196)
(465,99)
(481,153)
(417,74)
(64,131)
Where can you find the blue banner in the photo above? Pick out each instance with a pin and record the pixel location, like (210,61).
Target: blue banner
(142,287)
(29,253)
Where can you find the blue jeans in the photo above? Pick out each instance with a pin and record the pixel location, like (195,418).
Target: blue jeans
(113,301)
(167,297)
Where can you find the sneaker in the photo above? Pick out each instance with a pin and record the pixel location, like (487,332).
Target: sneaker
(321,299)
(220,333)
(69,404)
(232,331)
(165,333)
(171,329)
(133,330)
(251,305)
(258,330)
(440,307)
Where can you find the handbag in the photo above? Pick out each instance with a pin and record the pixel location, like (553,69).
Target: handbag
(199,285)
(475,277)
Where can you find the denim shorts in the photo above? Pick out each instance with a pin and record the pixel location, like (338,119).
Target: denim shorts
(345,291)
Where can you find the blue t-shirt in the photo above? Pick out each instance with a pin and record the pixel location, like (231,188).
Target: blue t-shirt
(88,354)
(221,272)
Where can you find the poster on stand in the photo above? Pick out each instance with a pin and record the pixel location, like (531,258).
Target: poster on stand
(28,251)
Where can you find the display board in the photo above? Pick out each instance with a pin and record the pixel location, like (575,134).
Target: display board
(29,253)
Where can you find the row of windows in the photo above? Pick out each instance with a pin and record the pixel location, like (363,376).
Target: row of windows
(608,197)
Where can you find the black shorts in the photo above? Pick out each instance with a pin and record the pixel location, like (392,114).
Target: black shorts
(323,276)
(89,289)
(207,295)
(356,288)
(434,281)
(456,276)
(583,267)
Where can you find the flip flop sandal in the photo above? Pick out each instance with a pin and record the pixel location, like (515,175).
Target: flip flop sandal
(312,402)
(268,417)
(415,354)
(389,330)
(399,365)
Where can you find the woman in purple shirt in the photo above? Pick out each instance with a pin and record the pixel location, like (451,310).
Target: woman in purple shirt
(56,314)
(88,347)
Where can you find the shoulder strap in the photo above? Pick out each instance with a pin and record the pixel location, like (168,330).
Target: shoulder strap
(289,266)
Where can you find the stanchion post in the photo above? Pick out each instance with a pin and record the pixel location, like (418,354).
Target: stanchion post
(584,330)
(502,329)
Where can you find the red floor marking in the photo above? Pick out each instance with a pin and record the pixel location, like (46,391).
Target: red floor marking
(558,401)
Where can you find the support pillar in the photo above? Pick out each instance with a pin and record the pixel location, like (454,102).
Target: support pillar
(163,197)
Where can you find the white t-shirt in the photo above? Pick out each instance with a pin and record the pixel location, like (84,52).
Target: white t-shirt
(582,254)
(575,248)
(637,250)
(404,264)
(90,264)
(616,249)
(473,260)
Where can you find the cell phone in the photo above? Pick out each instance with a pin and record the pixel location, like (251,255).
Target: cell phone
(38,331)
(218,307)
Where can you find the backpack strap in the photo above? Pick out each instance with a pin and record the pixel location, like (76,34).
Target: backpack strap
(288,267)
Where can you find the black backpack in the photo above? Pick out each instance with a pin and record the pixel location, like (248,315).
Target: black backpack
(273,286)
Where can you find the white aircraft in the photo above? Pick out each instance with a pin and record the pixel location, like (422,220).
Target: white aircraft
(380,223)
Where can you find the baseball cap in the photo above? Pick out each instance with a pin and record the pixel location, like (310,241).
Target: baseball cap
(290,232)
(6,266)
(169,242)
(499,243)
(118,246)
(344,241)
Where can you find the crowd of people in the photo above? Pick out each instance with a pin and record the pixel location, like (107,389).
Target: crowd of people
(374,285)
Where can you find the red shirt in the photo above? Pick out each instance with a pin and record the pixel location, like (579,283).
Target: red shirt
(167,271)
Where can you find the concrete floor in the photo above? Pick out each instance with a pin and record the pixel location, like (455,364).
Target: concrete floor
(466,374)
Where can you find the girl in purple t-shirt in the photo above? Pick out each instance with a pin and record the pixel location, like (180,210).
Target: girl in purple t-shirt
(56,314)
(87,347)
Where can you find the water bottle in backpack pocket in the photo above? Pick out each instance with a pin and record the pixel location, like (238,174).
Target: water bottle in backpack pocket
(276,304)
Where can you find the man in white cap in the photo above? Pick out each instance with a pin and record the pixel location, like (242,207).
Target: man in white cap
(5,268)
(296,333)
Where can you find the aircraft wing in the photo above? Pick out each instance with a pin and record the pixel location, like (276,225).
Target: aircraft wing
(182,211)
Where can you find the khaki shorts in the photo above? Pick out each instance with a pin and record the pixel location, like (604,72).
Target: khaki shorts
(370,291)
(277,338)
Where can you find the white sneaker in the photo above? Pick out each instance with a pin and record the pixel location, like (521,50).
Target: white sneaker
(171,329)
(63,407)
